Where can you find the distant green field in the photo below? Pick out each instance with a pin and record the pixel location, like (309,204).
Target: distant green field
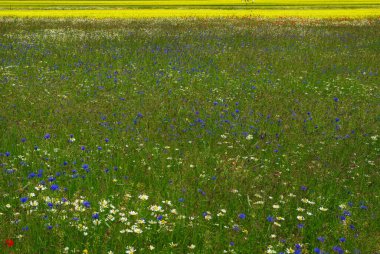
(190,4)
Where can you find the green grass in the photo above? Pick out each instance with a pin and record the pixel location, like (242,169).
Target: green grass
(209,114)
(196,4)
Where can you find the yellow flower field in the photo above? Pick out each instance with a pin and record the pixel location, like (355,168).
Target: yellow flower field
(214,13)
(191,8)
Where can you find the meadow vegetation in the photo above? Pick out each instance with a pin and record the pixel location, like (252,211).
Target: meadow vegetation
(189,135)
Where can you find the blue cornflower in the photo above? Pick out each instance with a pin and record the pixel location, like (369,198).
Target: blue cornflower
(201,192)
(7,154)
(317,250)
(49,227)
(23,199)
(300,225)
(347,213)
(47,136)
(106,140)
(54,187)
(31,175)
(159,217)
(342,239)
(232,243)
(86,204)
(338,249)
(270,219)
(95,216)
(364,207)
(337,119)
(100,148)
(50,205)
(242,216)
(181,200)
(51,179)
(26,228)
(83,148)
(23,140)
(304,188)
(336,99)
(321,239)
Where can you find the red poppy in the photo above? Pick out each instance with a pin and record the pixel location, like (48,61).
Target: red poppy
(9,242)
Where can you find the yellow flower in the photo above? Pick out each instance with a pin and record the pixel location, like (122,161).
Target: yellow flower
(85,251)
(300,217)
(289,250)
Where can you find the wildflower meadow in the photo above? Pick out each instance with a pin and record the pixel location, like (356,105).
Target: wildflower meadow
(189,135)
